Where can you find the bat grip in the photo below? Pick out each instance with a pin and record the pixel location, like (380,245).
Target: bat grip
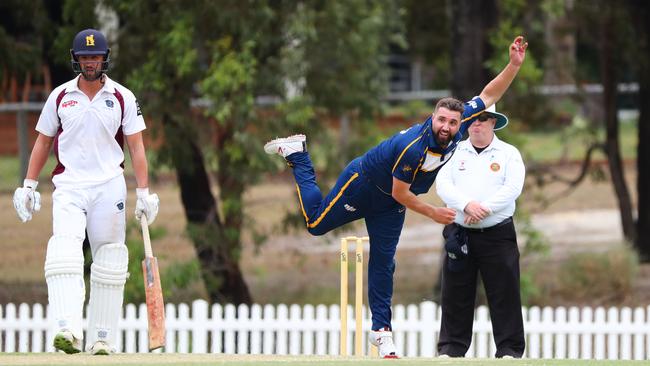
(148,253)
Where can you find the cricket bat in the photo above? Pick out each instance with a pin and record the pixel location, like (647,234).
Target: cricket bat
(153,292)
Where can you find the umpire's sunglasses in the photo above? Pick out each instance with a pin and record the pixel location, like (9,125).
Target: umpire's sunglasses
(485,116)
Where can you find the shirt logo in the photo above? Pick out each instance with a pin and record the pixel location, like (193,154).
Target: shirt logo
(406,168)
(139,112)
(120,205)
(109,103)
(69,103)
(90,40)
(462,165)
(349,208)
(495,167)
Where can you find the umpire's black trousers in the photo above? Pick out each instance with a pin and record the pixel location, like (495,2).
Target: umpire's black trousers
(493,252)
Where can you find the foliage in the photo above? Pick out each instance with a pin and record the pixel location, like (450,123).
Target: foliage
(175,278)
(315,56)
(604,278)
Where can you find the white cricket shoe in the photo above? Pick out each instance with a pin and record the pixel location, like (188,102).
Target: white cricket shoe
(286,146)
(66,342)
(100,348)
(383,339)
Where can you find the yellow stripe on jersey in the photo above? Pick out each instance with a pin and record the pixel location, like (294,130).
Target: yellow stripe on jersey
(403,151)
(329,207)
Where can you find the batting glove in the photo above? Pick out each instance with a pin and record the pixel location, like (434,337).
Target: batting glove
(147,205)
(27,200)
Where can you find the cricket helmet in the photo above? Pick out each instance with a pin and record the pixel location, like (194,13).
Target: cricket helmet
(89,42)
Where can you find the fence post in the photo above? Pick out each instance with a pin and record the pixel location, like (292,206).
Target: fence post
(257,327)
(23,332)
(10,328)
(639,346)
(587,318)
(217,328)
(230,318)
(142,326)
(199,326)
(171,325)
(244,326)
(268,339)
(412,333)
(612,337)
(40,325)
(599,345)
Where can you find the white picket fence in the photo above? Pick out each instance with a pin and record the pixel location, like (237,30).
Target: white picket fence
(577,333)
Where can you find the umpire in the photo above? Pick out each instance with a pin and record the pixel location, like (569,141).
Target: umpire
(482,182)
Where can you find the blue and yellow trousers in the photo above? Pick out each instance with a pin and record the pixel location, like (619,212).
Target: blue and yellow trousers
(354,197)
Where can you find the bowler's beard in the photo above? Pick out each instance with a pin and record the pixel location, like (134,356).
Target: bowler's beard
(443,141)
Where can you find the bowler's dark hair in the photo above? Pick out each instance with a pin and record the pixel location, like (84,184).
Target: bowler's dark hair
(452,104)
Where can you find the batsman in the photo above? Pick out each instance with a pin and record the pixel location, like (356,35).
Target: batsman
(86,121)
(381,184)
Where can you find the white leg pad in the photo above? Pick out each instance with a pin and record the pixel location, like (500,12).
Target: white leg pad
(108,274)
(64,274)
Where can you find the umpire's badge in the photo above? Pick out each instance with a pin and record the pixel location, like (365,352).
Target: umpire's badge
(495,167)
(109,103)
(120,205)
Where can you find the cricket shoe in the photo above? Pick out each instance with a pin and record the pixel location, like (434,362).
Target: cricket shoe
(383,339)
(66,342)
(100,348)
(286,146)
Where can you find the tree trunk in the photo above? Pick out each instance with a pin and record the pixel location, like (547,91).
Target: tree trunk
(220,270)
(640,14)
(616,169)
(470,47)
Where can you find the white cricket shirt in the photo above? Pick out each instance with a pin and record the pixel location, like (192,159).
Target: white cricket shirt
(89,134)
(495,178)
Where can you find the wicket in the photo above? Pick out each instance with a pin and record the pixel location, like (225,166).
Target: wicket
(358,301)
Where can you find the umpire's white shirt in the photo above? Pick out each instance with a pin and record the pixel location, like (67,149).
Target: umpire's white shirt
(87,132)
(495,178)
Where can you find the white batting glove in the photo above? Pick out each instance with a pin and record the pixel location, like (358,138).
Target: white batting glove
(147,205)
(27,200)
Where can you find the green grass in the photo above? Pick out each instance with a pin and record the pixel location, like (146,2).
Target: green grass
(235,360)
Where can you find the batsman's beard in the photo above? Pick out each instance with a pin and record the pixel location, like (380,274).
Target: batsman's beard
(91,75)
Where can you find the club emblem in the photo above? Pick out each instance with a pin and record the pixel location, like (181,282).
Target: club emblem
(462,165)
(406,168)
(90,40)
(109,103)
(495,167)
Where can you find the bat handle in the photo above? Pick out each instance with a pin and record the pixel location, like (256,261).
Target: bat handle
(148,253)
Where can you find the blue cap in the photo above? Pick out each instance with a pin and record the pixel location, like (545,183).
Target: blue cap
(89,42)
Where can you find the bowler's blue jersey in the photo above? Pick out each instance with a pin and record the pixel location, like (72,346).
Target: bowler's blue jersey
(413,155)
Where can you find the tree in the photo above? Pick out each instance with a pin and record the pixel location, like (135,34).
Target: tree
(639,12)
(612,30)
(469,45)
(227,56)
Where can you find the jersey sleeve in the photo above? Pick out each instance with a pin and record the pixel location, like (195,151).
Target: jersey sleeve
(473,108)
(407,165)
(48,121)
(133,121)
